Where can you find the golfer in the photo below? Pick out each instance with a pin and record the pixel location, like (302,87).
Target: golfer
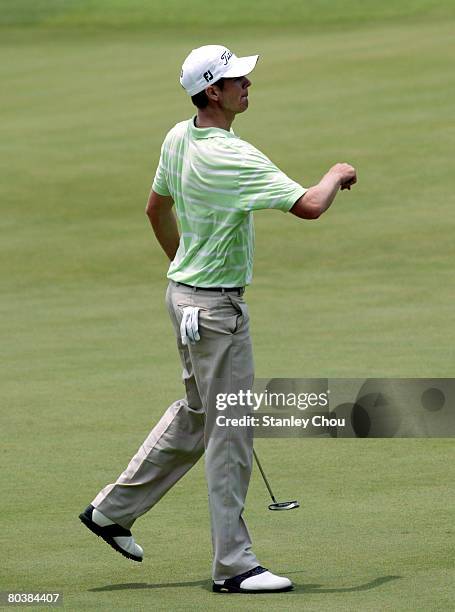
(213,181)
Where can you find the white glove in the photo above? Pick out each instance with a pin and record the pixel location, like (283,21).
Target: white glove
(189,325)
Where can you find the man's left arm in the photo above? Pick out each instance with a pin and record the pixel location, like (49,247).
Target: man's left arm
(162,218)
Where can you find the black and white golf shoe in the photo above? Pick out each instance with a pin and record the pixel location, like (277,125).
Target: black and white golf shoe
(115,535)
(257,580)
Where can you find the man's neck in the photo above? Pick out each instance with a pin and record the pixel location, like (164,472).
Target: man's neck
(209,117)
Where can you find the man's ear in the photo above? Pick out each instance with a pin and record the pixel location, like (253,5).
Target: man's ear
(213,93)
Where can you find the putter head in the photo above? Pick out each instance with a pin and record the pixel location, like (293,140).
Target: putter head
(289,505)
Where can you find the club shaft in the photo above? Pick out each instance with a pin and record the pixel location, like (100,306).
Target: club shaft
(264,476)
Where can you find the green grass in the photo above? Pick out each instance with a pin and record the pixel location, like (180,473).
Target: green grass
(89,362)
(125,14)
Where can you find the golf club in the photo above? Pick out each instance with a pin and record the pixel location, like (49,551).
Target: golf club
(289,505)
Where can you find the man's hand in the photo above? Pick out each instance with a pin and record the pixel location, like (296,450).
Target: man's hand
(347,175)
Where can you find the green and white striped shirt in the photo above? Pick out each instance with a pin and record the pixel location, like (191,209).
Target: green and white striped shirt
(216,180)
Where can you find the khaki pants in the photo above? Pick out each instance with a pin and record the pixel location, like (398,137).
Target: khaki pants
(221,362)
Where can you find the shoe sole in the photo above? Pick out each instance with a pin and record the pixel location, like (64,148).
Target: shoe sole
(98,531)
(219,588)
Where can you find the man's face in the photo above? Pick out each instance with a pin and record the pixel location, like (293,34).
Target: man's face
(234,95)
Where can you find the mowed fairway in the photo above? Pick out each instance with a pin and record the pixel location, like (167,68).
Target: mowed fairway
(88,358)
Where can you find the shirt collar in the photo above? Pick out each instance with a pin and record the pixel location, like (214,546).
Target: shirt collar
(209,132)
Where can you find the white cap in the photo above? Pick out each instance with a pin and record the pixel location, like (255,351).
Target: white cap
(206,65)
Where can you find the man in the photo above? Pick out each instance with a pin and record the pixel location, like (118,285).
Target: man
(214,180)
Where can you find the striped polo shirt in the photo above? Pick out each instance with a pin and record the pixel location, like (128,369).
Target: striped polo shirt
(216,181)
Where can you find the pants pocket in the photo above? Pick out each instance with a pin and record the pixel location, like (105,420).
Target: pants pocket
(242,310)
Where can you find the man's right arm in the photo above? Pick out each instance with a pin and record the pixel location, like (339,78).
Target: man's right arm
(317,199)
(161,216)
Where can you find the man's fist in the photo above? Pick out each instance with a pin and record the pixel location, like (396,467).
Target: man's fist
(346,173)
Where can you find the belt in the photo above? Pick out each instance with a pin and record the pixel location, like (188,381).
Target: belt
(238,290)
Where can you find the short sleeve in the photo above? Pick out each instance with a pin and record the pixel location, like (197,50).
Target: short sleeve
(263,185)
(160,184)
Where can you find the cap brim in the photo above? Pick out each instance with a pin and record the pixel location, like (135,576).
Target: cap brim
(241,66)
